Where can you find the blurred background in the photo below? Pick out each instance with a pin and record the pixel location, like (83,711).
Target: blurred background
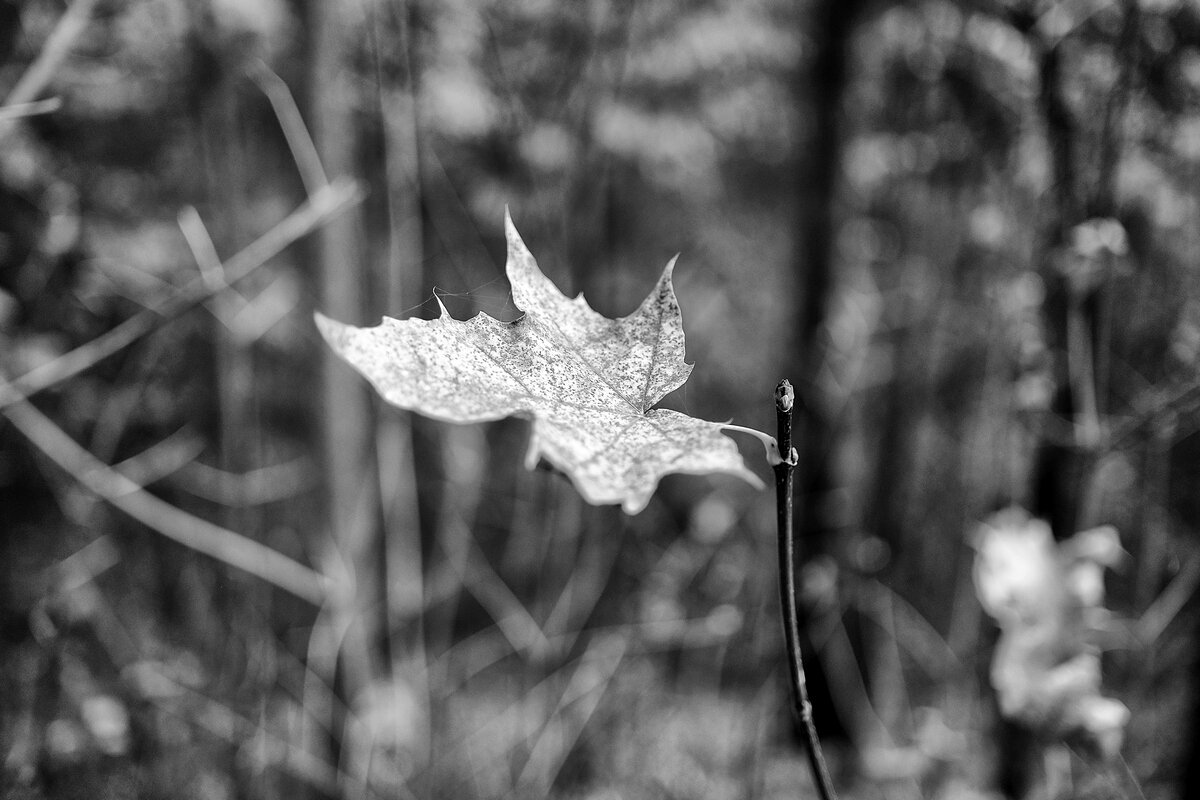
(967,232)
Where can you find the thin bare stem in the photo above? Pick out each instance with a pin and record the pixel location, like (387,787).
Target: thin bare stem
(69,26)
(32,109)
(198,534)
(801,707)
(304,152)
(319,208)
(1167,606)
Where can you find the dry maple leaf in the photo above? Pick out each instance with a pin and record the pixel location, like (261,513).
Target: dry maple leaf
(588,383)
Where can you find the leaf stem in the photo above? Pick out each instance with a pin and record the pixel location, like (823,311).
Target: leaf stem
(801,707)
(769,443)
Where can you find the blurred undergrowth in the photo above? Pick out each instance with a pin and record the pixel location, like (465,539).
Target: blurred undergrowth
(986,210)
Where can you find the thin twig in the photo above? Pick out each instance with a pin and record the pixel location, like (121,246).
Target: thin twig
(255,487)
(1124,771)
(47,106)
(227,303)
(198,534)
(801,707)
(577,703)
(479,578)
(319,208)
(57,45)
(291,122)
(162,459)
(1166,607)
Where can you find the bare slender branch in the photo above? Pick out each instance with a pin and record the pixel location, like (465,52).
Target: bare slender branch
(47,106)
(162,459)
(316,210)
(57,45)
(256,487)
(485,585)
(801,707)
(198,534)
(592,677)
(304,151)
(1166,606)
(225,305)
(195,232)
(82,566)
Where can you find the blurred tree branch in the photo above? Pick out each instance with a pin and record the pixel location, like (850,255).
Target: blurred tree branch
(347,650)
(193,532)
(320,207)
(39,73)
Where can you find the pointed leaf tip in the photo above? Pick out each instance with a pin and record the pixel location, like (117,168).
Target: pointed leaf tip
(331,330)
(442,310)
(510,228)
(668,273)
(516,245)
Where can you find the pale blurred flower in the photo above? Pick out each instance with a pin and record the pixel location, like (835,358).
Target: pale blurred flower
(389,731)
(1047,598)
(1095,250)
(65,741)
(458,104)
(712,519)
(107,721)
(819,582)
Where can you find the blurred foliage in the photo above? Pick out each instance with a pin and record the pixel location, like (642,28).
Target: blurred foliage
(1015,241)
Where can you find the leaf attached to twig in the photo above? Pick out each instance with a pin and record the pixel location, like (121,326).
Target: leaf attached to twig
(588,383)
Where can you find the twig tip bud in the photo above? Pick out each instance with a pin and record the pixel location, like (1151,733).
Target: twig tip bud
(784,396)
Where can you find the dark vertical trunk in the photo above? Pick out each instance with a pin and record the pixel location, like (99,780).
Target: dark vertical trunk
(403,590)
(1055,478)
(906,390)
(1070,313)
(1056,469)
(1189,784)
(818,165)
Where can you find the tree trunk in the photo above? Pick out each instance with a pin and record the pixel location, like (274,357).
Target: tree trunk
(343,640)
(404,587)
(818,167)
(1070,313)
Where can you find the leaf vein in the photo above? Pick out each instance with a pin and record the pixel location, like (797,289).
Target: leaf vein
(609,444)
(578,352)
(658,330)
(504,367)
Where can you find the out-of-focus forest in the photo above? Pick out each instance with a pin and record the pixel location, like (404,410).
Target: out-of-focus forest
(969,233)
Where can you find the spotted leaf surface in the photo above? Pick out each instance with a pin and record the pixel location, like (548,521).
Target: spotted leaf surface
(588,383)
